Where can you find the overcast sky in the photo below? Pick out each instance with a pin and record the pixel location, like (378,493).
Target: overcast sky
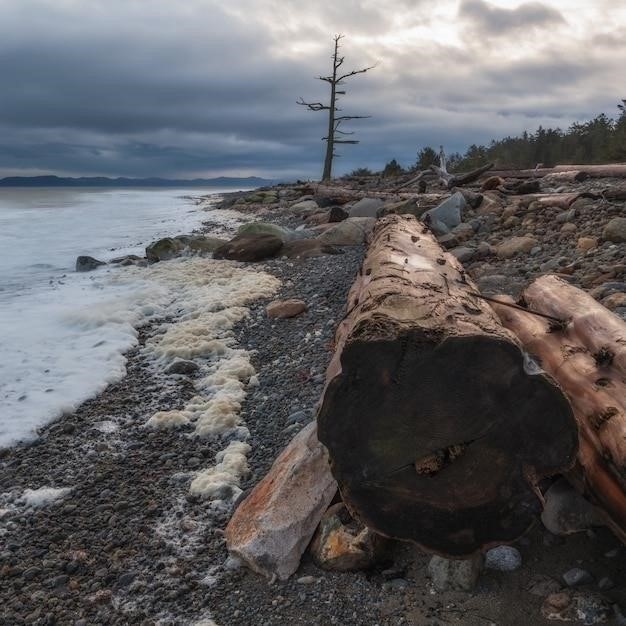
(209,87)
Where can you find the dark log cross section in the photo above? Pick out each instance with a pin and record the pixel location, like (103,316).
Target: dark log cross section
(437,431)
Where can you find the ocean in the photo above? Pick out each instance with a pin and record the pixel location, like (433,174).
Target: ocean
(63,334)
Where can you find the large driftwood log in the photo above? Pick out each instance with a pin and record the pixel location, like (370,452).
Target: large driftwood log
(581,172)
(588,358)
(436,430)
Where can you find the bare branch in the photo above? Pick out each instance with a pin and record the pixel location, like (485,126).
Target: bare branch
(354,73)
(346,141)
(313,106)
(352,117)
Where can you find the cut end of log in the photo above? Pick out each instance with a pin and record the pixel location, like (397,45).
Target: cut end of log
(441,443)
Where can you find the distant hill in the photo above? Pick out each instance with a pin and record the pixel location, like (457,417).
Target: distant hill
(101,181)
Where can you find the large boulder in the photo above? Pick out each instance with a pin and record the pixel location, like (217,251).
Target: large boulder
(264,228)
(306,248)
(272,527)
(172,247)
(443,218)
(350,232)
(249,248)
(87,263)
(615,230)
(366,207)
(337,214)
(514,246)
(410,206)
(305,206)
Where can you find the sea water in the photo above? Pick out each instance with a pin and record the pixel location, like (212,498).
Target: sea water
(63,334)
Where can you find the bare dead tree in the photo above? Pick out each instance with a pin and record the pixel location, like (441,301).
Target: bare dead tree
(335,133)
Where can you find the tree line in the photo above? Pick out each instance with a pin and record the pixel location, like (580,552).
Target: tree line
(600,140)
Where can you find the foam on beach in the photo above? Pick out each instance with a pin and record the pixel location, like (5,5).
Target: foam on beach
(37,498)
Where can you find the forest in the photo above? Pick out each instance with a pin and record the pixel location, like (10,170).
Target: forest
(600,140)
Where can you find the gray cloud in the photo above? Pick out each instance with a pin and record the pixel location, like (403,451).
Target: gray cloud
(205,87)
(492,20)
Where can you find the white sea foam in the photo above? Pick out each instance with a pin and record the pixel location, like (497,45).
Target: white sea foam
(220,483)
(43,496)
(63,334)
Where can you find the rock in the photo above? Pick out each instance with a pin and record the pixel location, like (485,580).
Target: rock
(87,263)
(305,205)
(409,206)
(445,216)
(455,574)
(568,228)
(448,241)
(587,243)
(264,228)
(566,216)
(566,511)
(366,207)
(463,231)
(543,586)
(181,366)
(342,544)
(576,577)
(285,308)
(306,248)
(493,182)
(350,232)
(127,259)
(306,580)
(569,606)
(317,218)
(171,247)
(615,301)
(337,214)
(164,249)
(272,527)
(249,248)
(491,205)
(473,198)
(503,559)
(463,254)
(615,230)
(514,246)
(604,584)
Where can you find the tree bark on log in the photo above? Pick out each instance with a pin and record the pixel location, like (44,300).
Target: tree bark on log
(588,358)
(436,431)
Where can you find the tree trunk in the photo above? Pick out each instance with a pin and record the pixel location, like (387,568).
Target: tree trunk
(436,431)
(588,358)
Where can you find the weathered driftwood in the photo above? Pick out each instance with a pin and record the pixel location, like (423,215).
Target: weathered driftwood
(449,180)
(436,431)
(581,172)
(587,355)
(272,527)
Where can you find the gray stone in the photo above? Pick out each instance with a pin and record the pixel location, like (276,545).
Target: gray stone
(350,232)
(181,366)
(503,559)
(566,216)
(264,228)
(448,214)
(453,574)
(366,207)
(463,254)
(87,263)
(250,248)
(305,205)
(604,584)
(566,511)
(448,241)
(543,586)
(615,230)
(577,576)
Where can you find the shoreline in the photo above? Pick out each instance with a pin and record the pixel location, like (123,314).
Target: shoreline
(130,545)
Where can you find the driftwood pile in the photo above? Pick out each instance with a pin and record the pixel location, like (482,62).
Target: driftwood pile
(444,411)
